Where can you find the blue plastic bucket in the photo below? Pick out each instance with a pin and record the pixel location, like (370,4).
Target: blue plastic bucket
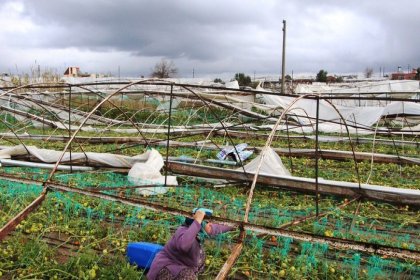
(142,253)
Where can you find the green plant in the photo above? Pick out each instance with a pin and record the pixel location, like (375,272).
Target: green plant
(242,79)
(322,76)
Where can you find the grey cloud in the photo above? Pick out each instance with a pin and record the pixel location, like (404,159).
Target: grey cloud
(166,28)
(221,36)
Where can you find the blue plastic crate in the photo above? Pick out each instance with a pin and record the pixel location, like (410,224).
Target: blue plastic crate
(142,253)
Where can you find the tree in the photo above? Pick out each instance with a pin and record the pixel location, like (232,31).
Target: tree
(242,79)
(322,76)
(218,80)
(164,69)
(418,74)
(368,72)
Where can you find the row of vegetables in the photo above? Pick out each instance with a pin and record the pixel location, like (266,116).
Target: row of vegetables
(77,237)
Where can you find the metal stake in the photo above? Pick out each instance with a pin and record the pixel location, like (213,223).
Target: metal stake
(316,156)
(71,166)
(288,144)
(167,138)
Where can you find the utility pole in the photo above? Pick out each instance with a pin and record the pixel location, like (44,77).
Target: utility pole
(283,62)
(193,73)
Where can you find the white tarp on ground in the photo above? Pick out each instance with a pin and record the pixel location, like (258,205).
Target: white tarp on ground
(271,165)
(145,168)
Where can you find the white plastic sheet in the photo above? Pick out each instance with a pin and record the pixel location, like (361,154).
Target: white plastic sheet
(145,168)
(271,165)
(304,111)
(148,173)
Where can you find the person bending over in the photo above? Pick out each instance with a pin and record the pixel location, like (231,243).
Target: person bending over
(183,256)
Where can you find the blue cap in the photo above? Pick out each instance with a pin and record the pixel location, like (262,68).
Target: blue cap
(207,211)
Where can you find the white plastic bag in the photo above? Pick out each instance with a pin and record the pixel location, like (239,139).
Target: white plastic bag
(148,173)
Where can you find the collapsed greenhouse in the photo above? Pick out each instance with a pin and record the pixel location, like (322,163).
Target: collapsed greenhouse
(320,184)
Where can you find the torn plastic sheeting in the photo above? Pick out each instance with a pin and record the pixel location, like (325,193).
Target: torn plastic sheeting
(271,165)
(399,108)
(365,116)
(324,127)
(233,84)
(10,162)
(164,106)
(148,173)
(380,87)
(28,105)
(52,156)
(145,168)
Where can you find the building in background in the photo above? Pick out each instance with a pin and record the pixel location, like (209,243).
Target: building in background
(72,72)
(404,76)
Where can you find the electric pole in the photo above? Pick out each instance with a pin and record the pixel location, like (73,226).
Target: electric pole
(283,63)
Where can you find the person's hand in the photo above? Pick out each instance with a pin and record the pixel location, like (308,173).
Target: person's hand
(199,216)
(207,228)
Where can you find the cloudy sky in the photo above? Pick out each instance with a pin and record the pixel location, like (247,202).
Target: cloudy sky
(214,38)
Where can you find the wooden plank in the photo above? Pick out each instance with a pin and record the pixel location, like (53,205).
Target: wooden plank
(306,185)
(11,225)
(224,271)
(301,184)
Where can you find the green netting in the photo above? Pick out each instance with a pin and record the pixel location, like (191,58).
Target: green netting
(96,225)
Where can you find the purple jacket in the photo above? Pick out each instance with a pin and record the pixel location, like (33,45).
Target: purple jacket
(182,250)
